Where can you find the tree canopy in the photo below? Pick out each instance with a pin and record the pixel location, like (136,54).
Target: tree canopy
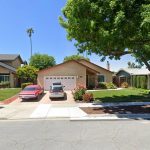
(42,61)
(75,57)
(27,73)
(133,65)
(110,28)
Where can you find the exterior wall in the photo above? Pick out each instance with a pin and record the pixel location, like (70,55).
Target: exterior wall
(67,69)
(4,70)
(106,73)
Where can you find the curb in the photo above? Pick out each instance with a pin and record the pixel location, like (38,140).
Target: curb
(9,100)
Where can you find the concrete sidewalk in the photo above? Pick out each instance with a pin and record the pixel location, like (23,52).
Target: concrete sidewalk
(61,111)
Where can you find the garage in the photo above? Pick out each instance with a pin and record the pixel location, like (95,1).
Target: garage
(68,81)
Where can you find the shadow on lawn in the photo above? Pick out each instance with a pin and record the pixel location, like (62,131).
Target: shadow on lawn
(129,98)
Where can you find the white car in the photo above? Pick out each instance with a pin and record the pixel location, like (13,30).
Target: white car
(56,91)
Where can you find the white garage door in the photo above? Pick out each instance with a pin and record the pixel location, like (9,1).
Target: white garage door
(68,81)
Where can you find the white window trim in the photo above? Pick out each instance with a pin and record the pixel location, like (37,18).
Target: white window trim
(5,78)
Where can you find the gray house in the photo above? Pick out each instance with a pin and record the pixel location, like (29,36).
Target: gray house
(127,74)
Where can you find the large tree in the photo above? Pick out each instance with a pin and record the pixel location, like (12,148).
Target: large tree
(30,31)
(75,57)
(27,73)
(110,28)
(42,61)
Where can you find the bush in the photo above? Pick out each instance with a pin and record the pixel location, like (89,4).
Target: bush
(110,85)
(102,85)
(138,82)
(79,92)
(87,97)
(124,85)
(134,81)
(143,81)
(4,84)
(23,85)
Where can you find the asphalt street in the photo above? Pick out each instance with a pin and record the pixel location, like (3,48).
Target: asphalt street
(74,135)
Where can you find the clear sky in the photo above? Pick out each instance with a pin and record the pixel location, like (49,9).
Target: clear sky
(49,37)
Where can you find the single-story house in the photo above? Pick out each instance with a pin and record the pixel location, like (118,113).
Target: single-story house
(8,66)
(73,73)
(127,74)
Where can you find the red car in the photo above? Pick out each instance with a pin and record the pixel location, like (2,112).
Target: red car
(31,92)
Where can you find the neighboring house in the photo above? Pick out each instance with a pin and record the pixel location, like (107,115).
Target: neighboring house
(73,73)
(8,66)
(126,75)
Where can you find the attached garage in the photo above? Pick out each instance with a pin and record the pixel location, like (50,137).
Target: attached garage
(68,81)
(72,74)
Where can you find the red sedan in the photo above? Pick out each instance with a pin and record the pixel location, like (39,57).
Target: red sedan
(31,92)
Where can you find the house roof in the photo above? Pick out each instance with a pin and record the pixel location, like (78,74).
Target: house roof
(135,71)
(10,57)
(8,67)
(68,62)
(95,65)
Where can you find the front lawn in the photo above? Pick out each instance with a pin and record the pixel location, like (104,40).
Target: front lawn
(7,93)
(124,95)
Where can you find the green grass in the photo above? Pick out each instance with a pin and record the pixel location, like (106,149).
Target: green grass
(7,93)
(125,95)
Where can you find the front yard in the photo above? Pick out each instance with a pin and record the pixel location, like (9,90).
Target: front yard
(7,93)
(124,95)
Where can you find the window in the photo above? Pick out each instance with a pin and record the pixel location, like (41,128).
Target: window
(101,78)
(4,78)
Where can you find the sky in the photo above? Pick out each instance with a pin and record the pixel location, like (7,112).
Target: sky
(16,16)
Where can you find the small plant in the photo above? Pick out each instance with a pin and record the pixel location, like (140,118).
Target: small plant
(4,84)
(124,85)
(23,85)
(102,85)
(79,92)
(110,85)
(87,97)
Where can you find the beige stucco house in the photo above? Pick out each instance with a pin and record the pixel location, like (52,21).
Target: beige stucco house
(73,73)
(8,66)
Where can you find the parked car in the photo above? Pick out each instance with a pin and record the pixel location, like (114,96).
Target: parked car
(56,91)
(31,92)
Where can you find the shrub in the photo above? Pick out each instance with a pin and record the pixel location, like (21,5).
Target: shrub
(102,85)
(138,82)
(110,85)
(23,85)
(87,97)
(124,85)
(4,84)
(79,92)
(134,81)
(143,81)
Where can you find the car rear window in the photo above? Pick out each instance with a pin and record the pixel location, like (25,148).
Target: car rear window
(57,89)
(30,89)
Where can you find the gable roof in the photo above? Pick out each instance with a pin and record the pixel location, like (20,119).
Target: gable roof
(68,62)
(95,65)
(135,71)
(8,67)
(10,57)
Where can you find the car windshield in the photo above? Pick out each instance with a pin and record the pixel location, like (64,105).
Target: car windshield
(57,89)
(29,89)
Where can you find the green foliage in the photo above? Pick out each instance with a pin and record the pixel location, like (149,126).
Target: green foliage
(27,73)
(102,85)
(110,85)
(124,85)
(109,27)
(42,61)
(4,84)
(75,57)
(23,85)
(87,97)
(138,82)
(143,81)
(79,92)
(134,81)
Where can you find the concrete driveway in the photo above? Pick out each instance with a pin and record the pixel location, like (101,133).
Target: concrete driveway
(44,99)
